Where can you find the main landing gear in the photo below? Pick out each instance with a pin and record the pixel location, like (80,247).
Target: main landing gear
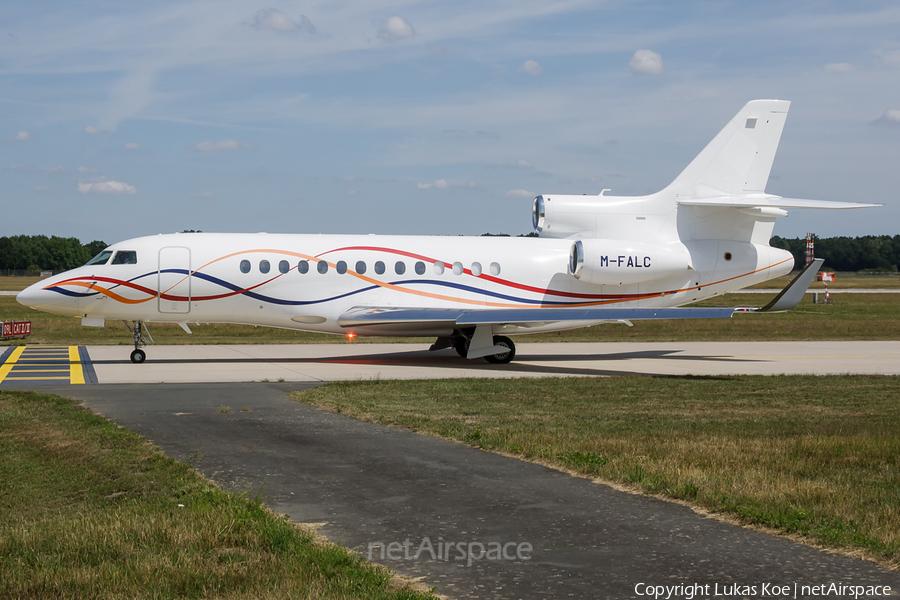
(461,345)
(138,329)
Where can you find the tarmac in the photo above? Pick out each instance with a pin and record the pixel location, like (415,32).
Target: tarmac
(359,361)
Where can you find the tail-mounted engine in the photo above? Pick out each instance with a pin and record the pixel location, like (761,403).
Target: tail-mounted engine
(560,215)
(613,262)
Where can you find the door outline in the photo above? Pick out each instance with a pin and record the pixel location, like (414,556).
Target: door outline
(173,277)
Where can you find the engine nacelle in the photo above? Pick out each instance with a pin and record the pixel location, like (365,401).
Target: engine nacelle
(614,262)
(560,215)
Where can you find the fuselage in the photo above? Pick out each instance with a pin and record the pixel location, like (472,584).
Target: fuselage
(307,282)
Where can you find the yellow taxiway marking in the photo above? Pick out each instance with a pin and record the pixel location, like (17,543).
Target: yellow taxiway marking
(10,362)
(76,373)
(51,364)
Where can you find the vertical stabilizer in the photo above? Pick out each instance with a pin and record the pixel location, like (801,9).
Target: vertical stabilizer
(738,160)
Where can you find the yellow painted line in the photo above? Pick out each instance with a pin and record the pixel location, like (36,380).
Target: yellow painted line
(10,362)
(76,373)
(40,379)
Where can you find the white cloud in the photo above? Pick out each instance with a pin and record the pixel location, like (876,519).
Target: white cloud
(106,187)
(647,62)
(519,194)
(523,164)
(351,193)
(440,184)
(396,28)
(203,194)
(890,118)
(530,67)
(273,19)
(22,136)
(216,146)
(892,57)
(132,146)
(839,67)
(86,170)
(91,130)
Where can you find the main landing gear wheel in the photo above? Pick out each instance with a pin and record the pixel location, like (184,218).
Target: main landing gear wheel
(461,345)
(504,357)
(138,356)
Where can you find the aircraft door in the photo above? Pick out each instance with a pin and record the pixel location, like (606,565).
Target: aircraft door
(174,291)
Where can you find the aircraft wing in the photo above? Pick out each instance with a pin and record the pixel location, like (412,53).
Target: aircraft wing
(362,316)
(464,317)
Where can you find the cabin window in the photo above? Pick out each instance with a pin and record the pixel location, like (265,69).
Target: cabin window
(100,259)
(341,267)
(420,268)
(360,267)
(379,268)
(264,266)
(438,268)
(284,267)
(399,267)
(125,257)
(495,269)
(303,267)
(457,268)
(322,267)
(728,256)
(245,266)
(476,269)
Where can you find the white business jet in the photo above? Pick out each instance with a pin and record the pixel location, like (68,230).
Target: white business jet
(598,259)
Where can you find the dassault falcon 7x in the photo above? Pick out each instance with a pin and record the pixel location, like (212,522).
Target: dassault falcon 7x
(597,259)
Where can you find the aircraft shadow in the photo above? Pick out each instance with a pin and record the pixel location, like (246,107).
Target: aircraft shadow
(447,360)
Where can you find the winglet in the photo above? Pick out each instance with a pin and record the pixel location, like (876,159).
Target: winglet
(793,292)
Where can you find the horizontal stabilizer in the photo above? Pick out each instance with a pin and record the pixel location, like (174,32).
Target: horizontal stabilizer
(767,201)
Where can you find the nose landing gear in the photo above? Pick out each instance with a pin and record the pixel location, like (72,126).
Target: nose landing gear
(138,329)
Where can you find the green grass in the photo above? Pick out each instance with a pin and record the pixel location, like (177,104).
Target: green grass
(89,510)
(818,457)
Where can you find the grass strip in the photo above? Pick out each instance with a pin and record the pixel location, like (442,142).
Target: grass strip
(818,457)
(90,510)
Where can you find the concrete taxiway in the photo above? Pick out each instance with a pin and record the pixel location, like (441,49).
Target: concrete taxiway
(354,361)
(369,484)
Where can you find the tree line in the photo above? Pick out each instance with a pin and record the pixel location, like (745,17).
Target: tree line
(866,253)
(42,253)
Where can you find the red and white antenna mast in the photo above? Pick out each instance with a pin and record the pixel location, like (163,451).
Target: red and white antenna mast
(810,251)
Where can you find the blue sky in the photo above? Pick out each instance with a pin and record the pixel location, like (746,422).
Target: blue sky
(125,119)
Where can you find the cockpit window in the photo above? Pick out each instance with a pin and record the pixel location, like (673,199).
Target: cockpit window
(100,259)
(125,257)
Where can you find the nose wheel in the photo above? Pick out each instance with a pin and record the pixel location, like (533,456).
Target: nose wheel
(138,330)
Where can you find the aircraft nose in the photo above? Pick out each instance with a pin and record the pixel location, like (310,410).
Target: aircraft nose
(31,296)
(39,297)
